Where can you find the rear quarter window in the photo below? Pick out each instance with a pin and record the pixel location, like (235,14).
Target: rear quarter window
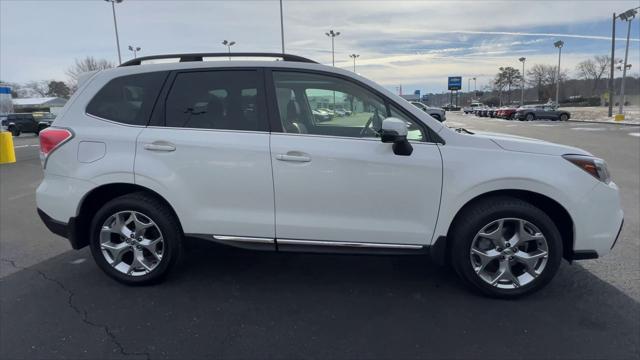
(128,99)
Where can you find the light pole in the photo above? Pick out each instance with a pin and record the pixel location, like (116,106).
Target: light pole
(332,35)
(613,51)
(522,60)
(135,50)
(281,26)
(475,89)
(628,17)
(559,45)
(228,44)
(354,56)
(115,25)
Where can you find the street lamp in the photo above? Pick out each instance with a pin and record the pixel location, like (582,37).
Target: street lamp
(559,45)
(475,91)
(135,50)
(281,26)
(228,44)
(354,56)
(628,17)
(522,60)
(115,25)
(332,35)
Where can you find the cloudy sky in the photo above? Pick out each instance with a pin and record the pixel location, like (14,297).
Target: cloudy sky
(416,44)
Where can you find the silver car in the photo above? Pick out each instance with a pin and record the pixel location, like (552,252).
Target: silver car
(436,113)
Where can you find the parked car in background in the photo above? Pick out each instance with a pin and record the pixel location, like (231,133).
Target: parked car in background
(19,123)
(492,112)
(451,107)
(321,115)
(435,112)
(544,112)
(472,107)
(506,113)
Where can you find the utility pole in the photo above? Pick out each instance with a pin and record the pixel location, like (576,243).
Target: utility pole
(559,45)
(354,56)
(522,60)
(115,25)
(228,44)
(281,26)
(628,17)
(332,35)
(611,75)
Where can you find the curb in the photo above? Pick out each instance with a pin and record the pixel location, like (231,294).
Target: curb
(603,122)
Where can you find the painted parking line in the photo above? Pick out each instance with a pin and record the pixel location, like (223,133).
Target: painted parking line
(636,134)
(588,128)
(24,146)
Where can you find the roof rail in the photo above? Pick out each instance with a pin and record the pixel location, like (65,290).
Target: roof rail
(201,56)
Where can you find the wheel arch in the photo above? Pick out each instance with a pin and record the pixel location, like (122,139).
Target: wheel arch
(96,198)
(556,211)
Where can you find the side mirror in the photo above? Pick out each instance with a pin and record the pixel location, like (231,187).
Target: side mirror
(395,131)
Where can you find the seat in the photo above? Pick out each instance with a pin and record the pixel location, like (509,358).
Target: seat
(293,122)
(208,119)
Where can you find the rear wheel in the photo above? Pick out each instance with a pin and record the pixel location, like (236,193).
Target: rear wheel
(564,117)
(506,247)
(14,131)
(436,116)
(136,239)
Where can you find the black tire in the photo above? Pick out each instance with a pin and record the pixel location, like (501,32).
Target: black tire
(530,117)
(437,117)
(14,131)
(564,117)
(40,128)
(478,215)
(161,215)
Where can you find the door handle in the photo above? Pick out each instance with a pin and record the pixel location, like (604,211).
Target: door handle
(160,146)
(294,158)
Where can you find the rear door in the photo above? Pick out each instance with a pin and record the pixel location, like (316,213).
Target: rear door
(207,152)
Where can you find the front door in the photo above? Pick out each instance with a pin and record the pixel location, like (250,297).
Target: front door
(335,180)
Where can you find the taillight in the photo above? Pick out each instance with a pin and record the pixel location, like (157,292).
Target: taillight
(51,139)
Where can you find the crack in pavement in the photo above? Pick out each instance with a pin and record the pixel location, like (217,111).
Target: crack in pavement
(84,317)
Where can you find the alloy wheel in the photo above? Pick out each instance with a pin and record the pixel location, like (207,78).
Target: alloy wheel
(131,243)
(509,253)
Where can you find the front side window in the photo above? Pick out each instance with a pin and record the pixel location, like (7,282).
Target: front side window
(326,105)
(222,99)
(127,99)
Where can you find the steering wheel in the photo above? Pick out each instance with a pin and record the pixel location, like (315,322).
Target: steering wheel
(370,127)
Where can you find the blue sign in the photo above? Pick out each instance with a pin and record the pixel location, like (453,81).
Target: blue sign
(417,93)
(5,90)
(455,82)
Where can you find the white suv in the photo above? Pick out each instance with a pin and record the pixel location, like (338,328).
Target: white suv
(145,155)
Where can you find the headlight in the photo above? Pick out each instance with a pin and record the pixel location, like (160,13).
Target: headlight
(594,166)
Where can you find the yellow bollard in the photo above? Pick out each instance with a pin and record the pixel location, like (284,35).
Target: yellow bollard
(619,117)
(7,152)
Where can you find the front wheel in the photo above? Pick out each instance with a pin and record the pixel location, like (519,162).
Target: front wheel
(14,131)
(530,117)
(564,117)
(136,239)
(506,247)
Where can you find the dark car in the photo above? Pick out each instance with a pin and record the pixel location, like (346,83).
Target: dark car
(24,123)
(548,112)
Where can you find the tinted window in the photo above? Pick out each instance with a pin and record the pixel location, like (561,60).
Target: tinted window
(227,100)
(128,99)
(327,105)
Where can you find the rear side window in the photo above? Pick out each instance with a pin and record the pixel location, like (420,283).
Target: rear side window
(220,99)
(127,99)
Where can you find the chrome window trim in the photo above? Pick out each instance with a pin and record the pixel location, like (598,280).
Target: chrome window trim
(349,138)
(205,129)
(113,121)
(347,244)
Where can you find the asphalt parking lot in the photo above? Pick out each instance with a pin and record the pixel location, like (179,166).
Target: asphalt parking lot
(227,303)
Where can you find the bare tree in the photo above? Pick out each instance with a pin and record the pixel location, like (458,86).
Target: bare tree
(507,77)
(593,70)
(36,88)
(87,64)
(544,78)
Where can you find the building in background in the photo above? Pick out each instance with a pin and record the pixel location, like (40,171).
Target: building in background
(46,104)
(6,105)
